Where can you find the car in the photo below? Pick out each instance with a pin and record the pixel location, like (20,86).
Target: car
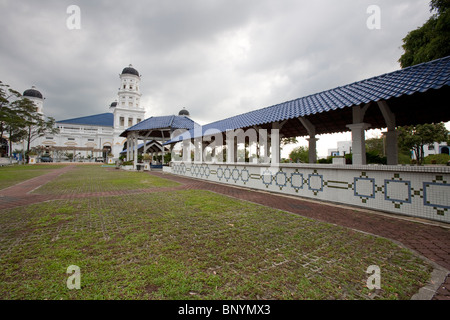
(46,159)
(99,159)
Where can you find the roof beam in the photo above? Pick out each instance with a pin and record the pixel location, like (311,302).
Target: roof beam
(308,126)
(359,112)
(388,115)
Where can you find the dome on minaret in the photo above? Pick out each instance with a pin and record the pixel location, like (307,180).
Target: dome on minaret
(184,112)
(130,70)
(33,93)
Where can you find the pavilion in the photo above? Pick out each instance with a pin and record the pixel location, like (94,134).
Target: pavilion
(415,95)
(154,132)
(410,96)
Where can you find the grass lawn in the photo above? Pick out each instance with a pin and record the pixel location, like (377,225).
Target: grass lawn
(191,244)
(94,178)
(10,175)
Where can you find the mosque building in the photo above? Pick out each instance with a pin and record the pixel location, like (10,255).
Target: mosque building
(98,135)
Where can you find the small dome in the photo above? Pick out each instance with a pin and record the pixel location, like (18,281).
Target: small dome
(130,70)
(33,93)
(184,112)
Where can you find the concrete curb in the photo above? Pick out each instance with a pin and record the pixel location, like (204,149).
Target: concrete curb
(438,277)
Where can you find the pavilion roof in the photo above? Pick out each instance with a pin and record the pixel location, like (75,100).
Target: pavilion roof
(171,122)
(417,94)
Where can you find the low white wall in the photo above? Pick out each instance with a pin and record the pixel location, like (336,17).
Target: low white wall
(414,191)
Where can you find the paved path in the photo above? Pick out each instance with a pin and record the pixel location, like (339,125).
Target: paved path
(432,240)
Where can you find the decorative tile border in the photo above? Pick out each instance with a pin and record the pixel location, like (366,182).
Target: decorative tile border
(421,193)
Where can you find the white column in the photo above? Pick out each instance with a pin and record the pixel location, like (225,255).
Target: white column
(230,141)
(275,144)
(163,153)
(198,152)
(128,146)
(186,150)
(312,147)
(135,153)
(391,135)
(358,143)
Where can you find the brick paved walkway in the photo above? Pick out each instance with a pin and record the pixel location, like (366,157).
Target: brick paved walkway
(432,240)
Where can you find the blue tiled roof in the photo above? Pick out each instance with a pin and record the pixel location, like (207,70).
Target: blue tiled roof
(102,119)
(174,122)
(419,78)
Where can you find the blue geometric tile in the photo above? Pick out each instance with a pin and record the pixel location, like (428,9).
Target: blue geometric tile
(364,187)
(397,191)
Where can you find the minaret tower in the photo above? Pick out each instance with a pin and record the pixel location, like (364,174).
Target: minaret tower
(129,94)
(34,95)
(127,110)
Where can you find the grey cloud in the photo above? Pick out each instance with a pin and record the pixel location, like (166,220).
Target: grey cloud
(217,58)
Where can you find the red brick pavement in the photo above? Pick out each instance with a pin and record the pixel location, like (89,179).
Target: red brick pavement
(428,239)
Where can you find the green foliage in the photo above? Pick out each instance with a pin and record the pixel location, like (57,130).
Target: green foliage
(440,5)
(18,118)
(326,160)
(373,157)
(432,40)
(300,154)
(375,146)
(286,141)
(437,159)
(416,137)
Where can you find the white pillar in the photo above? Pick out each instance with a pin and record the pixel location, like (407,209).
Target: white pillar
(198,152)
(231,142)
(312,149)
(275,144)
(186,150)
(128,147)
(135,151)
(391,135)
(358,143)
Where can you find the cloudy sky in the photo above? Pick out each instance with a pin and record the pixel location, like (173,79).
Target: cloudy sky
(217,58)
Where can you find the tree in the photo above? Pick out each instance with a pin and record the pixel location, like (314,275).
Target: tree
(7,96)
(432,40)
(37,127)
(416,137)
(300,154)
(18,116)
(375,146)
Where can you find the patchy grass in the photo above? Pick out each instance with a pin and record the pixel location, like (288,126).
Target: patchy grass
(94,178)
(11,175)
(192,244)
